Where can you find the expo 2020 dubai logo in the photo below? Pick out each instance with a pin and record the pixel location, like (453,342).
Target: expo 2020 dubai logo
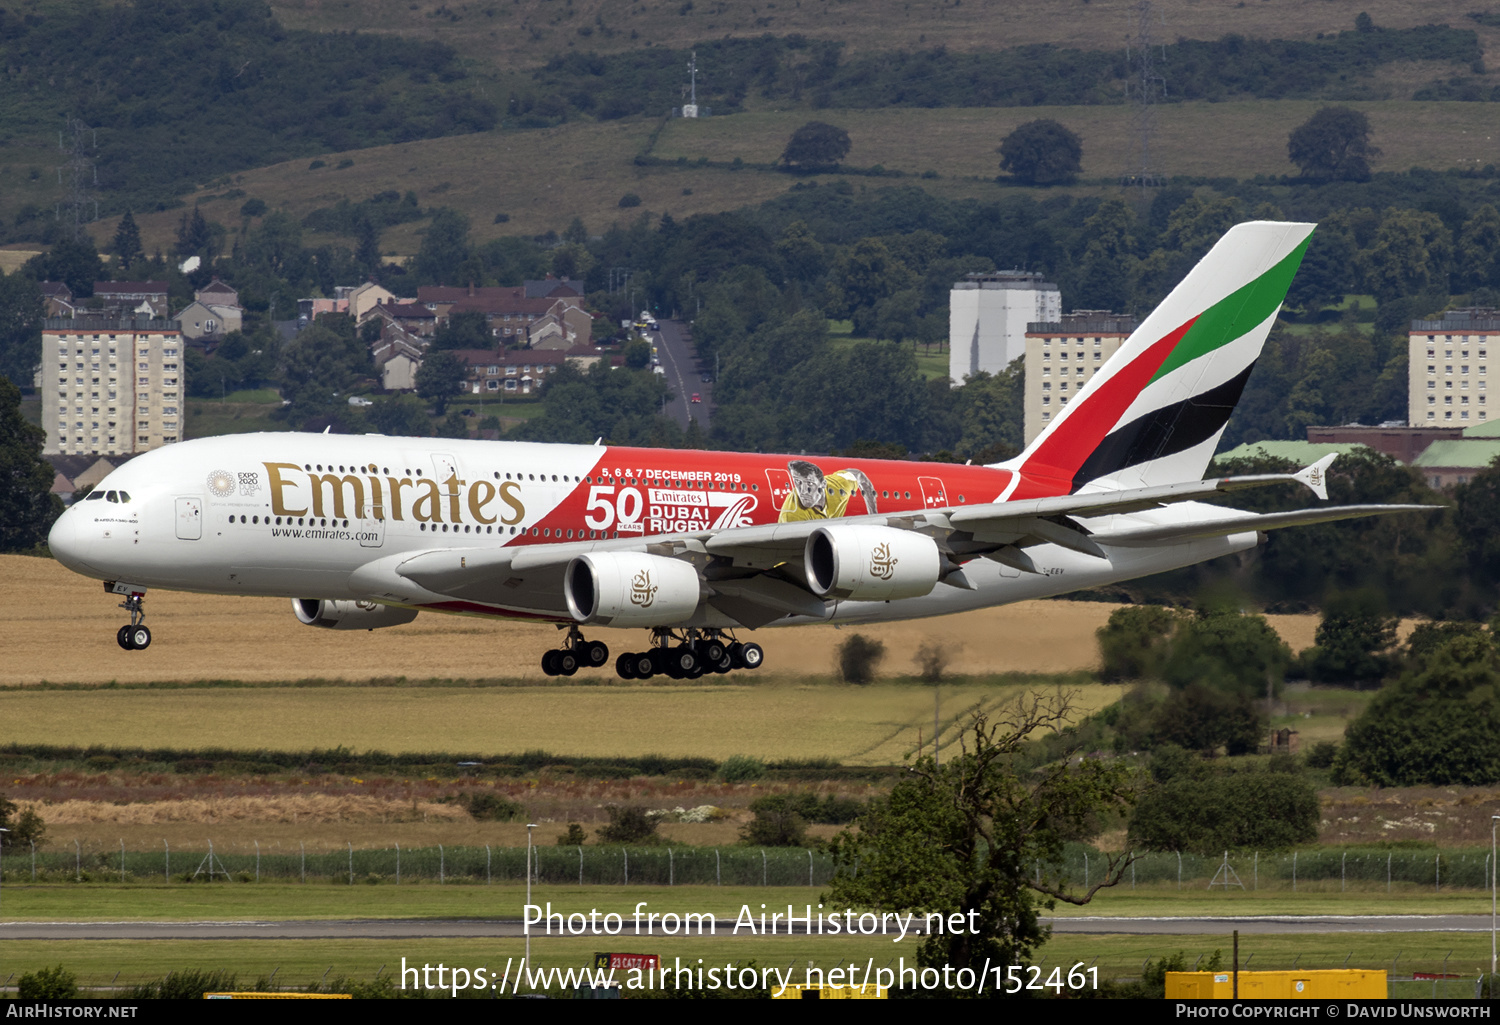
(221,483)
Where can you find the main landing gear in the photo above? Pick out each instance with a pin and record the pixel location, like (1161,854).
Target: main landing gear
(136,636)
(696,653)
(576,653)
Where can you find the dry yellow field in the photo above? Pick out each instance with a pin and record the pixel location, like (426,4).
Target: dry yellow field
(62,629)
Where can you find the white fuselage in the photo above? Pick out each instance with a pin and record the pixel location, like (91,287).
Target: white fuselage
(330,516)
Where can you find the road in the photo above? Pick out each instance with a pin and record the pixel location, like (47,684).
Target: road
(419,928)
(674,343)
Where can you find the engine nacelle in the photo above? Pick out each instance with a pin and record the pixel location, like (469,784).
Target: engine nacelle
(349,615)
(864,562)
(630,589)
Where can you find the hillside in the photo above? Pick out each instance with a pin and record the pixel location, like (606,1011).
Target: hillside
(589,166)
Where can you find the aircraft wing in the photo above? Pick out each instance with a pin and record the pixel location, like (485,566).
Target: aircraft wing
(1172,534)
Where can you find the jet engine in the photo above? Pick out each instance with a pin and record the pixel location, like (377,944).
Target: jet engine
(864,562)
(630,589)
(349,615)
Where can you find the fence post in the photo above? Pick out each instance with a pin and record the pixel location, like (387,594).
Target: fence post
(122,859)
(1388,871)
(718,874)
(303,846)
(1132,874)
(626,851)
(1342,874)
(809,867)
(580,863)
(1294,876)
(1179,870)
(1085,870)
(77,861)
(763,875)
(671,869)
(351,863)
(440,864)
(1437,872)
(1255,869)
(398,862)
(33,860)
(487,876)
(257,860)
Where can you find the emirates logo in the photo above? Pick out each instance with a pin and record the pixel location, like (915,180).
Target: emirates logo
(882,563)
(1315,478)
(642,590)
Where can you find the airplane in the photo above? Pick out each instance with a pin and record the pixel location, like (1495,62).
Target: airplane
(365,532)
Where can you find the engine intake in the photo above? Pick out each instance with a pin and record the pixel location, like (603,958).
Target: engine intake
(631,589)
(349,615)
(864,562)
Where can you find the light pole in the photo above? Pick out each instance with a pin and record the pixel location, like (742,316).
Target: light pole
(2,855)
(1494,819)
(529,827)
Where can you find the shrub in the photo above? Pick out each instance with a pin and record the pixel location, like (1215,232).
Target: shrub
(487,806)
(1322,754)
(25,827)
(628,825)
(574,837)
(1209,812)
(859,657)
(776,823)
(48,984)
(630,199)
(253,208)
(185,985)
(932,659)
(741,769)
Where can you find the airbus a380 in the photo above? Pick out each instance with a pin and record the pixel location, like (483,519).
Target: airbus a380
(368,531)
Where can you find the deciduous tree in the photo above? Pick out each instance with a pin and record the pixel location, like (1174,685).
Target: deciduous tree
(1042,152)
(816,145)
(982,837)
(1333,144)
(27,506)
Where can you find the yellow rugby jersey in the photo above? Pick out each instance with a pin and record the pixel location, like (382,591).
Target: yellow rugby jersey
(838,489)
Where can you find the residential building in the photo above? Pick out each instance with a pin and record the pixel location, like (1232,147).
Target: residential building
(57,298)
(508,372)
(111,385)
(131,299)
(988,316)
(1447,368)
(1402,443)
(1063,355)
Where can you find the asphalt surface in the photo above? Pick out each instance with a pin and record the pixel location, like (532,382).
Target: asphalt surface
(413,928)
(679,361)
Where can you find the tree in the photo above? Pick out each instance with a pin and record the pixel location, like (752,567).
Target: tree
(1042,152)
(628,825)
(1355,630)
(439,378)
(27,506)
(1410,255)
(127,241)
(1437,726)
(777,823)
(1333,144)
(24,828)
(816,145)
(859,657)
(983,837)
(1133,643)
(21,313)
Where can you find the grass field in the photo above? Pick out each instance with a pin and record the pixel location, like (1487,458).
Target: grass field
(65,632)
(591,164)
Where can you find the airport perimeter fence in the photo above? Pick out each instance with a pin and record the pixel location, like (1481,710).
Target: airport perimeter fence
(1319,870)
(589,865)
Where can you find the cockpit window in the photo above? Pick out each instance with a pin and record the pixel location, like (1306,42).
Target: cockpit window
(113,496)
(94,496)
(124,496)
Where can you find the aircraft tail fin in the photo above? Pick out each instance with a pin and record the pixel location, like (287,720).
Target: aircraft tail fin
(1155,411)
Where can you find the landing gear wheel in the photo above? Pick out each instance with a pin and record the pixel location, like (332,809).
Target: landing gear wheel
(549,663)
(625,667)
(683,659)
(736,655)
(643,665)
(140,638)
(593,653)
(566,662)
(123,636)
(711,652)
(752,656)
(724,665)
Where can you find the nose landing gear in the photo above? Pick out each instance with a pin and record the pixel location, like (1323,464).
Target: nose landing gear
(136,636)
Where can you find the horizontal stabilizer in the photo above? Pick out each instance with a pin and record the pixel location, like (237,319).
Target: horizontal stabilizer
(1180,533)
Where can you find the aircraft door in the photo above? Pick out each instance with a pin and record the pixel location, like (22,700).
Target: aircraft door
(372,529)
(780,483)
(934,495)
(189,519)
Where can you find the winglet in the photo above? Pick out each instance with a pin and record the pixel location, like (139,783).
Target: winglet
(1316,475)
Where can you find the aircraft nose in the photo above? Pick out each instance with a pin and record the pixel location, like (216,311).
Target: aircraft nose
(69,542)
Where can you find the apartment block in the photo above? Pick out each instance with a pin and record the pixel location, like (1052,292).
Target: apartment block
(987,319)
(111,386)
(1064,355)
(1447,366)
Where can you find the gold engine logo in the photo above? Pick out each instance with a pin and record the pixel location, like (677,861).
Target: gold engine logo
(642,591)
(882,563)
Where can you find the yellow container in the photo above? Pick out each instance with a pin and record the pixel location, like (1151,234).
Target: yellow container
(816,992)
(1333,984)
